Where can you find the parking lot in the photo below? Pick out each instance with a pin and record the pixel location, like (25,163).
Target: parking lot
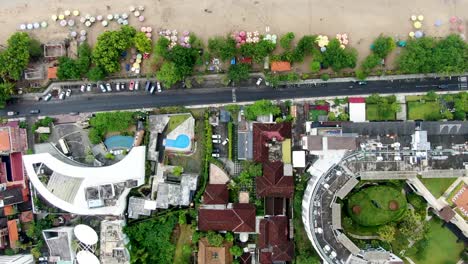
(221,130)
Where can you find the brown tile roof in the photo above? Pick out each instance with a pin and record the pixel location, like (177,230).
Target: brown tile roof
(280,66)
(13,138)
(263,133)
(208,254)
(349,143)
(274,206)
(26,217)
(273,183)
(273,242)
(241,218)
(8,210)
(447,213)
(13,233)
(245,258)
(52,73)
(5,139)
(461,198)
(216,194)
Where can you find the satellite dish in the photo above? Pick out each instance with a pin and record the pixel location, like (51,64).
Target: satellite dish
(86,257)
(85,235)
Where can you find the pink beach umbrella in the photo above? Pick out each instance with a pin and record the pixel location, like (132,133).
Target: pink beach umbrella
(143,29)
(149,29)
(186,33)
(453,19)
(141,18)
(461,28)
(242,33)
(148,35)
(238,39)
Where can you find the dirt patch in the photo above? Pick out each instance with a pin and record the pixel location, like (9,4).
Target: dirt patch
(357,209)
(393,205)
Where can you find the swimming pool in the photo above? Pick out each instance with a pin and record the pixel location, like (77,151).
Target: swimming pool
(182,141)
(116,142)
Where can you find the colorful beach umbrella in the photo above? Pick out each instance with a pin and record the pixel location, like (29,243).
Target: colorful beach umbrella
(417,24)
(420,17)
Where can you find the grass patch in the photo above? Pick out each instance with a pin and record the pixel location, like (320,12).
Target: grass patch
(372,113)
(442,246)
(183,250)
(314,114)
(230,127)
(353,228)
(418,110)
(437,186)
(175,121)
(413,98)
(376,205)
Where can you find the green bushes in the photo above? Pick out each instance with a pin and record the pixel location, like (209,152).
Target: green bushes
(315,66)
(262,107)
(238,72)
(224,48)
(230,138)
(286,40)
(325,77)
(206,159)
(381,47)
(103,123)
(338,58)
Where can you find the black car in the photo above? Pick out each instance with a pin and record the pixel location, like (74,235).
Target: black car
(34,111)
(215,150)
(147,86)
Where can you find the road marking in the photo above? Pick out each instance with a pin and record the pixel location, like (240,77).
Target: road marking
(234,98)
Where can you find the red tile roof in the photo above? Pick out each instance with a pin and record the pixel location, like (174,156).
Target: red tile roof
(263,133)
(321,107)
(13,233)
(26,217)
(273,183)
(16,161)
(241,218)
(273,242)
(280,66)
(356,100)
(8,210)
(216,194)
(245,258)
(13,138)
(52,73)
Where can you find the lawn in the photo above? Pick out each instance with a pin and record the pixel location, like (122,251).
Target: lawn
(437,186)
(442,247)
(175,121)
(376,205)
(418,110)
(372,113)
(181,255)
(314,114)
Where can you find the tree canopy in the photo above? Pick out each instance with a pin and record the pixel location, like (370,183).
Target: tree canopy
(75,69)
(238,72)
(262,107)
(96,74)
(426,55)
(35,49)
(15,58)
(109,47)
(222,47)
(6,89)
(338,58)
(382,46)
(142,42)
(168,74)
(286,40)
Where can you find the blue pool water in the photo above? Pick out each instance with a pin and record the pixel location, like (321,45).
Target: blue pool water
(182,141)
(116,142)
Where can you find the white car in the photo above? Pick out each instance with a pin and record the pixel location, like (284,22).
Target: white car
(68,93)
(216,141)
(47,97)
(117,86)
(159,87)
(215,155)
(259,81)
(88,87)
(83,88)
(12,113)
(137,85)
(216,136)
(225,141)
(62,95)
(109,88)
(103,89)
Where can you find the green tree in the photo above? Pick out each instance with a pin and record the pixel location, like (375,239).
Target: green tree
(109,156)
(15,58)
(182,218)
(286,40)
(315,66)
(177,171)
(361,75)
(214,238)
(370,62)
(238,72)
(305,46)
(229,237)
(35,49)
(84,58)
(96,74)
(273,80)
(387,232)
(236,251)
(382,46)
(331,116)
(67,69)
(224,48)
(325,77)
(168,74)
(142,43)
(412,226)
(161,48)
(338,58)
(431,96)
(262,107)
(459,115)
(6,90)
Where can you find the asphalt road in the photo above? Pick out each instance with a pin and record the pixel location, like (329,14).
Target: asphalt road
(83,102)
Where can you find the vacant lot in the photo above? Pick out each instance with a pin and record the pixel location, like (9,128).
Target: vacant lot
(419,110)
(183,249)
(376,205)
(372,113)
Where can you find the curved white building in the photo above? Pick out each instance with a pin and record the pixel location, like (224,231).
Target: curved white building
(86,190)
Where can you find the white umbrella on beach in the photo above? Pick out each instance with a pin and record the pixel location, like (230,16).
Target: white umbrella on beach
(44,24)
(124,15)
(71,22)
(131,8)
(120,20)
(116,16)
(67,12)
(420,17)
(417,24)
(83,32)
(105,23)
(92,19)
(141,8)
(125,22)
(61,16)
(149,29)
(54,17)
(418,34)
(82,38)
(110,17)
(63,23)
(29,26)
(88,16)
(73,34)
(99,18)
(36,25)
(136,13)
(143,29)
(22,26)
(411,34)
(414,17)
(76,12)
(88,23)
(438,23)
(82,19)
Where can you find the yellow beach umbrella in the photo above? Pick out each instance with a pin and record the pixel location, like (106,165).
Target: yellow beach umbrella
(61,16)
(411,34)
(420,17)
(417,24)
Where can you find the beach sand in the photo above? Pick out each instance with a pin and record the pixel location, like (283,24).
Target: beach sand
(363,20)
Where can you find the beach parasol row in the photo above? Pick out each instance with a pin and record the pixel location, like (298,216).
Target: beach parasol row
(172,35)
(35,25)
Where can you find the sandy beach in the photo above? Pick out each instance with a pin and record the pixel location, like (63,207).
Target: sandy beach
(363,20)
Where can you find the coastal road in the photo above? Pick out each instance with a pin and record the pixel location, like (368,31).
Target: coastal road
(88,102)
